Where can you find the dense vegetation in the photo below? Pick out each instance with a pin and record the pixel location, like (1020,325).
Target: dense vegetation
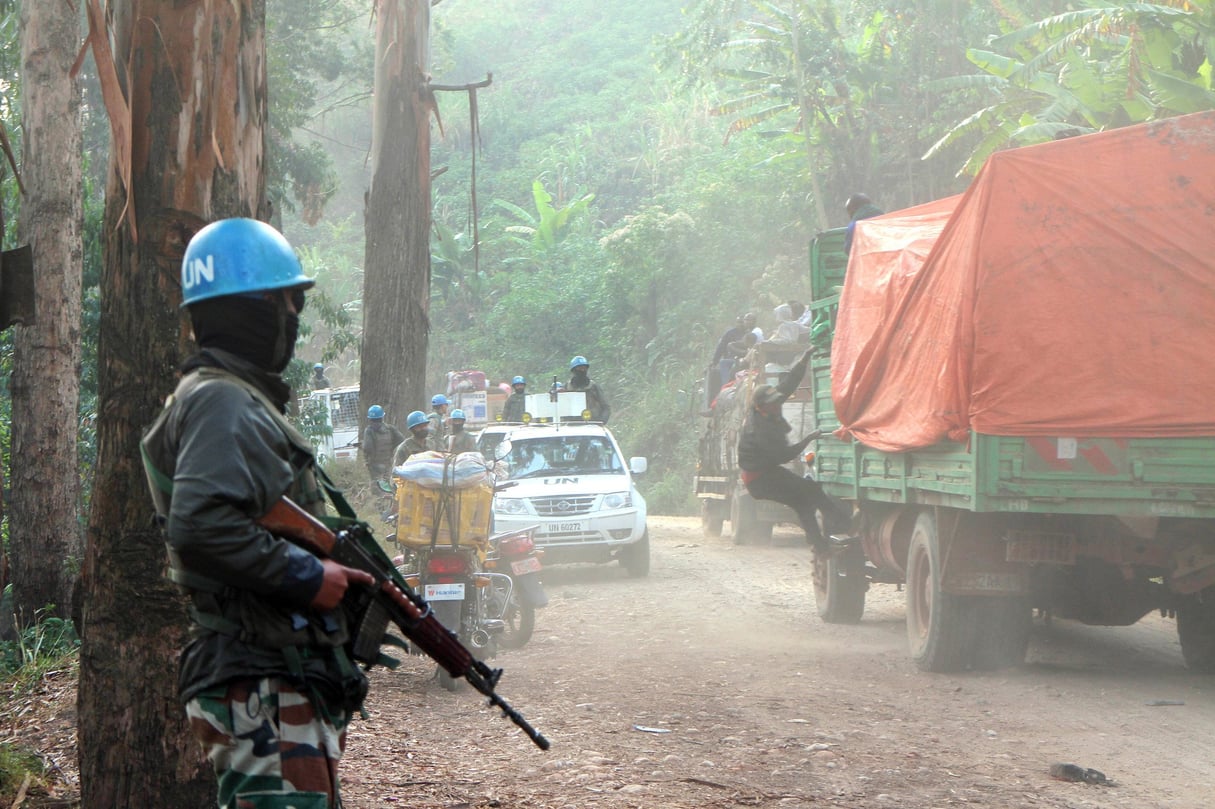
(646,171)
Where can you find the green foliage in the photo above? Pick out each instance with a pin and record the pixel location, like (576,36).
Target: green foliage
(37,647)
(1103,66)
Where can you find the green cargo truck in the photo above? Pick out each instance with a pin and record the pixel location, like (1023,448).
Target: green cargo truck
(1100,528)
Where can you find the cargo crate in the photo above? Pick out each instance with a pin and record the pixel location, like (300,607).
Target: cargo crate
(467,511)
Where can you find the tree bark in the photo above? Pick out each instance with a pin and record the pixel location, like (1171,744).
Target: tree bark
(196,90)
(45,540)
(396,278)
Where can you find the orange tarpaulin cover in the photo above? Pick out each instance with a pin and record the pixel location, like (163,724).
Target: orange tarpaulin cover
(1069,292)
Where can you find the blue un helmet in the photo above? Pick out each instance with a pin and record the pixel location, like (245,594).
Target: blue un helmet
(318,367)
(375,412)
(518,381)
(414,419)
(457,414)
(438,399)
(238,257)
(578,360)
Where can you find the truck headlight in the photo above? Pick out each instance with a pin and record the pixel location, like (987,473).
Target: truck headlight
(510,505)
(617,500)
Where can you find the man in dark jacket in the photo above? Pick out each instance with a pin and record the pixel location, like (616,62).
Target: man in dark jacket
(266,677)
(858,207)
(762,449)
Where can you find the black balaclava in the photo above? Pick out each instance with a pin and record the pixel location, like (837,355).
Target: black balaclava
(256,330)
(260,332)
(580,374)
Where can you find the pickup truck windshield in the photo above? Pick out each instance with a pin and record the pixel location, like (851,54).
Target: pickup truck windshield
(563,455)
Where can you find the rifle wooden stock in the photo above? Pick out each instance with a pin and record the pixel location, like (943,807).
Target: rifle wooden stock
(405,608)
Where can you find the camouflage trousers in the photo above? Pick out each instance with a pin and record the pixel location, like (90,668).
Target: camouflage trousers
(268,745)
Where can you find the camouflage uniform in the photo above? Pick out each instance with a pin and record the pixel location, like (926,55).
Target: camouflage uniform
(461,442)
(410,446)
(267,681)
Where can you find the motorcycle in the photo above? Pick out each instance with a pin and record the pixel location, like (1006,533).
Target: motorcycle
(464,580)
(514,597)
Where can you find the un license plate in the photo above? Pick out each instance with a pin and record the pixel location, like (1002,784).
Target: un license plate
(524,566)
(444,592)
(563,528)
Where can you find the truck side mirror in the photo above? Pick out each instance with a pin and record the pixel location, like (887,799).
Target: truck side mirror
(638,465)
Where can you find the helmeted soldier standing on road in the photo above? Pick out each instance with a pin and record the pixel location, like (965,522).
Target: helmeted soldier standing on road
(418,440)
(267,679)
(580,380)
(459,440)
(763,447)
(380,440)
(516,403)
(319,380)
(438,419)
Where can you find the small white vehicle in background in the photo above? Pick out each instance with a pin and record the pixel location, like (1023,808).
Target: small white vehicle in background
(569,477)
(338,409)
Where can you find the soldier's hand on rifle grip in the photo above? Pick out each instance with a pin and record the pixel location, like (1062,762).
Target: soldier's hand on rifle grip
(337,578)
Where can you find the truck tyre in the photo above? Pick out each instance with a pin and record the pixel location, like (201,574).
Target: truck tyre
(1003,627)
(940,626)
(1196,631)
(840,585)
(636,557)
(712,516)
(742,517)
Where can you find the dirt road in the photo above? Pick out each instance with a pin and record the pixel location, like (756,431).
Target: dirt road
(713,683)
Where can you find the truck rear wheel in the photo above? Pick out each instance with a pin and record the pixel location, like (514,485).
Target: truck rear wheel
(940,626)
(1196,631)
(712,516)
(840,585)
(742,517)
(1003,627)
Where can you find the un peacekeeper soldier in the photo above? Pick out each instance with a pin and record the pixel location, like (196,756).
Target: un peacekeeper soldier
(380,440)
(438,419)
(459,440)
(266,678)
(418,441)
(596,401)
(516,403)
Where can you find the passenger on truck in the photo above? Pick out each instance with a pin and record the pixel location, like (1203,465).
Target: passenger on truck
(859,207)
(512,411)
(596,400)
(763,448)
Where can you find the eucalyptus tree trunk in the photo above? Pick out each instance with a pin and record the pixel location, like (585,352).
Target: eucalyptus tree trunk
(188,148)
(396,278)
(45,540)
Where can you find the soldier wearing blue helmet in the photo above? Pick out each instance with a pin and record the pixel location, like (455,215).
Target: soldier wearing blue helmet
(380,440)
(419,438)
(438,419)
(267,628)
(596,399)
(516,403)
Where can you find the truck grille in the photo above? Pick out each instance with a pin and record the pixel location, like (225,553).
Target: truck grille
(562,506)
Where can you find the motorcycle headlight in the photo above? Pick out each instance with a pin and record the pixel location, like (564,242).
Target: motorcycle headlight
(617,500)
(510,505)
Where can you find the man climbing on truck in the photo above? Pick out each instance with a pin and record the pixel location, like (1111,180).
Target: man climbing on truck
(763,449)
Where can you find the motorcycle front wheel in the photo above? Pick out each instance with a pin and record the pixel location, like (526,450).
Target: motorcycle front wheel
(519,619)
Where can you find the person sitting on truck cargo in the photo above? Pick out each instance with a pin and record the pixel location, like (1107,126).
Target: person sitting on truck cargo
(458,440)
(763,448)
(418,441)
(380,440)
(516,403)
(859,207)
(580,380)
(438,418)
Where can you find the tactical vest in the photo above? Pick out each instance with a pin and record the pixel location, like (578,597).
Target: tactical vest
(239,613)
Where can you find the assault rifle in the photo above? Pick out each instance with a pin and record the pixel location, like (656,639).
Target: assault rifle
(390,600)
